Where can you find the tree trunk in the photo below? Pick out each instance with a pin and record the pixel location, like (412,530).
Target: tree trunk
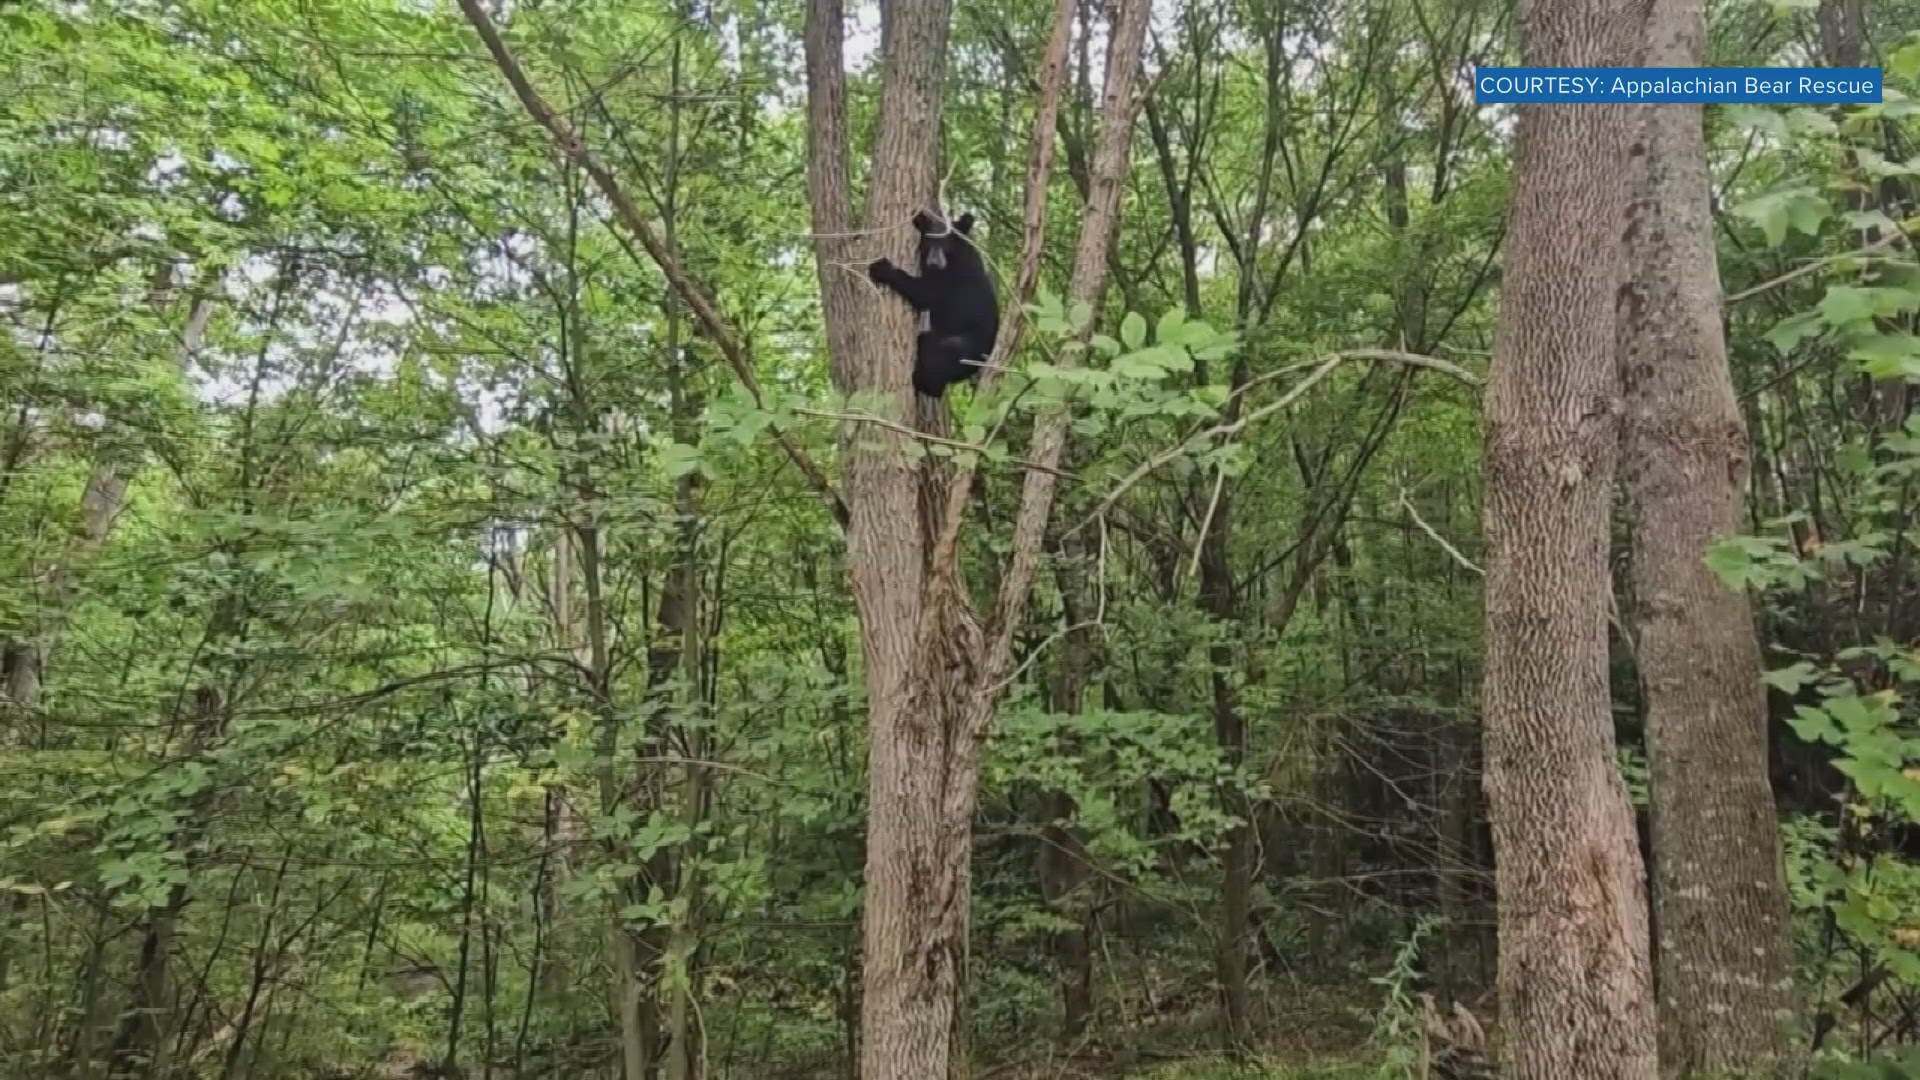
(1843,31)
(933,682)
(1719,889)
(909,971)
(1575,994)
(1067,882)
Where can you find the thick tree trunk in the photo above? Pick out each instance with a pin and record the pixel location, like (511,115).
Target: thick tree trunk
(1575,993)
(910,968)
(1719,890)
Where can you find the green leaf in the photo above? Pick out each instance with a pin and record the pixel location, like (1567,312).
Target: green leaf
(1812,122)
(677,459)
(1888,356)
(1794,329)
(1813,725)
(1192,334)
(1170,323)
(1778,211)
(1758,118)
(1789,680)
(1133,330)
(1845,304)
(1905,62)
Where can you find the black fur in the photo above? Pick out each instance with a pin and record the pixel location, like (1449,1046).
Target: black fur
(956,292)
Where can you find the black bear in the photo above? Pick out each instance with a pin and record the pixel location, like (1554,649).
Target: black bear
(956,292)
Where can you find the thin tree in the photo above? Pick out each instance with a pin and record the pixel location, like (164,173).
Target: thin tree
(1576,997)
(1719,887)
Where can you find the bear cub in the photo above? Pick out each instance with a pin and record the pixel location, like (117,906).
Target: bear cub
(956,293)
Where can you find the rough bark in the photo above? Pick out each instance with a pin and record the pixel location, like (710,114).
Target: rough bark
(1576,998)
(1719,890)
(910,970)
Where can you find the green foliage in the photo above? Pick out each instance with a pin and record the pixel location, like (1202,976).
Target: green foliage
(1398,1023)
(1892,1066)
(1128,384)
(374,701)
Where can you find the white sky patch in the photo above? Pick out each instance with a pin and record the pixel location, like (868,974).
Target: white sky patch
(863,36)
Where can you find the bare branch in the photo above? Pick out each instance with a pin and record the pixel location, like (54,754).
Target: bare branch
(1053,70)
(914,433)
(1105,185)
(1406,505)
(1793,275)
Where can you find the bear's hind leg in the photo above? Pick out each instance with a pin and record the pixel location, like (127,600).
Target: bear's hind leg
(939,362)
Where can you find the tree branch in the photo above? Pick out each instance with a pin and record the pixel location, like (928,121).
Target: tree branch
(915,433)
(1106,183)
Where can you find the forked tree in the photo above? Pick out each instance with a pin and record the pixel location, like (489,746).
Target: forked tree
(935,673)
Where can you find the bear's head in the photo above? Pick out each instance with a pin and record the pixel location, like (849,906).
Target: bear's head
(944,245)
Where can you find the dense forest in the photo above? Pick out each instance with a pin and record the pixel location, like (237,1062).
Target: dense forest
(1415,588)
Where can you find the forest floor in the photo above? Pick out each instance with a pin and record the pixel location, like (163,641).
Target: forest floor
(1307,1033)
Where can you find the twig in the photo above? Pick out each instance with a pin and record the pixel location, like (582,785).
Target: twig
(1036,652)
(946,547)
(1325,366)
(1206,523)
(893,425)
(1812,267)
(1437,538)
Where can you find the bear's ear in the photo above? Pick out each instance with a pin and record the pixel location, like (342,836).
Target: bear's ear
(963,224)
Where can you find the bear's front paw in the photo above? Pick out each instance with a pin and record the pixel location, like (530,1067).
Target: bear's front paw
(879,269)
